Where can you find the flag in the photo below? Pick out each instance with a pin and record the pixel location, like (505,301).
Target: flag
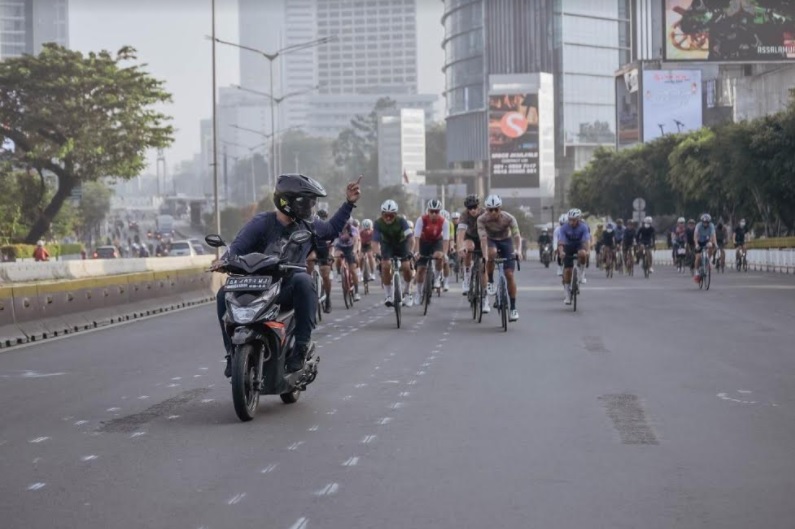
(405,177)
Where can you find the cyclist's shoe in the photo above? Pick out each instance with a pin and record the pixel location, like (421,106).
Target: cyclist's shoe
(490,289)
(465,286)
(417,300)
(560,271)
(651,270)
(357,297)
(389,301)
(583,280)
(514,316)
(486,307)
(372,277)
(567,299)
(445,284)
(327,305)
(228,368)
(408,300)
(437,282)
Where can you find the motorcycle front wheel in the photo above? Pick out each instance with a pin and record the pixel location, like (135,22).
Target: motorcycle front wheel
(245,367)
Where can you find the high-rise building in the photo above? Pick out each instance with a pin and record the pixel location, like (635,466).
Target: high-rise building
(25,25)
(401,147)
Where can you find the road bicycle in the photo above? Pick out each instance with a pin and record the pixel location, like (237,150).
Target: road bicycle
(397,294)
(347,283)
(645,257)
(430,277)
(629,261)
(680,258)
(704,270)
(575,284)
(720,260)
(366,274)
(742,260)
(321,294)
(502,301)
(609,261)
(475,294)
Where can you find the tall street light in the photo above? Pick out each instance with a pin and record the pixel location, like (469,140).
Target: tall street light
(272,57)
(271,179)
(215,139)
(251,160)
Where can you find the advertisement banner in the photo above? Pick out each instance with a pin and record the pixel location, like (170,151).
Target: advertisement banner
(729,31)
(513,140)
(671,102)
(627,109)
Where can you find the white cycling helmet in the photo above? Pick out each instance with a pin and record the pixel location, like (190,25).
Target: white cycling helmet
(574,214)
(389,206)
(456,215)
(680,220)
(493,201)
(706,218)
(367,224)
(647,220)
(434,204)
(562,219)
(446,214)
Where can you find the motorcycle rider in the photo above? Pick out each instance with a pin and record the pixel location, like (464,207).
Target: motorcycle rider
(543,240)
(295,197)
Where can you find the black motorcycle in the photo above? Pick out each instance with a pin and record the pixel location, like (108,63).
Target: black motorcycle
(546,255)
(262,335)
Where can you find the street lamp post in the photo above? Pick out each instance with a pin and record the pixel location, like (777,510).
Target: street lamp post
(272,57)
(215,138)
(251,159)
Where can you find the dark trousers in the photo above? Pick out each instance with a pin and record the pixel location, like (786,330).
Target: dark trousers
(298,292)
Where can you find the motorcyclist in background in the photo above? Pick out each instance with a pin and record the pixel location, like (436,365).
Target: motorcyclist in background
(295,197)
(543,240)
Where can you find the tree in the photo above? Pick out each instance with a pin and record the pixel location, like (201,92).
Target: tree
(356,148)
(80,118)
(94,207)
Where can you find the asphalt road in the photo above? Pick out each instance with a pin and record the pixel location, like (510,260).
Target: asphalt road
(654,406)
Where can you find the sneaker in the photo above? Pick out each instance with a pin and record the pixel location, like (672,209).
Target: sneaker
(446,285)
(389,301)
(560,270)
(228,368)
(486,307)
(357,297)
(514,316)
(296,360)
(490,289)
(465,286)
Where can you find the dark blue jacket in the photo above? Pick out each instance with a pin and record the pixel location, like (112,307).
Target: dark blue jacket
(265,234)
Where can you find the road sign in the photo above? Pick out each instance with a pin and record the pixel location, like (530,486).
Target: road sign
(639,204)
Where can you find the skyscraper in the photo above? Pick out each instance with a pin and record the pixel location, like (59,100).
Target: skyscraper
(25,25)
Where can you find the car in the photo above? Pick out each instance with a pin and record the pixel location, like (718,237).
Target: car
(181,248)
(106,252)
(198,246)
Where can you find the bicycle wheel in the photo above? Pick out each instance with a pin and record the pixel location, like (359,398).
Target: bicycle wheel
(474,288)
(427,291)
(346,288)
(319,290)
(707,276)
(745,263)
(397,297)
(574,288)
(503,303)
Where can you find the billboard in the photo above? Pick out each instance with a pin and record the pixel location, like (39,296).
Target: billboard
(513,140)
(627,108)
(729,31)
(671,102)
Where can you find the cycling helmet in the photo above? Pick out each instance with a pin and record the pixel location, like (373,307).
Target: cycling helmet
(680,220)
(647,220)
(620,222)
(610,227)
(545,231)
(456,215)
(367,224)
(446,214)
(322,214)
(493,201)
(389,206)
(471,201)
(706,218)
(574,214)
(562,219)
(434,204)
(40,244)
(691,221)
(296,195)
(354,223)
(742,222)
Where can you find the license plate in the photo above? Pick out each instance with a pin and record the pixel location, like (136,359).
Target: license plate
(248,283)
(681,251)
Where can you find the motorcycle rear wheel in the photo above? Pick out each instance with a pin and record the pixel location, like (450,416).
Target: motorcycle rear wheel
(245,364)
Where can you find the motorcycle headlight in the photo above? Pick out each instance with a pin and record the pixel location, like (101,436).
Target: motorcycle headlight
(246,314)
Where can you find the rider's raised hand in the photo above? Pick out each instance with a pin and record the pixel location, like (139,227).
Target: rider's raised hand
(353,191)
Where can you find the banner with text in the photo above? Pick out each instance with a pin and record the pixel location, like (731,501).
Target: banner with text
(671,102)
(513,140)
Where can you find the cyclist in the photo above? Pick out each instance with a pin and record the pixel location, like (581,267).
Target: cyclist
(347,246)
(740,233)
(366,239)
(450,250)
(574,240)
(467,238)
(628,243)
(597,237)
(499,232)
(391,235)
(431,239)
(323,258)
(679,237)
(704,236)
(720,238)
(609,240)
(646,238)
(619,258)
(555,237)
(543,240)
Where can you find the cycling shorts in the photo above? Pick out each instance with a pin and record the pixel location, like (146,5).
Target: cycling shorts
(399,249)
(367,247)
(570,254)
(428,248)
(347,253)
(322,254)
(505,250)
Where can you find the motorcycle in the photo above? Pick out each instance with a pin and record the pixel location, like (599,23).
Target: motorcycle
(546,255)
(262,335)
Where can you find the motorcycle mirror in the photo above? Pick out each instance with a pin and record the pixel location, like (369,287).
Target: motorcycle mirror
(214,241)
(300,237)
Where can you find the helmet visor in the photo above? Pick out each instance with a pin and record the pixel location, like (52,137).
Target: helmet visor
(304,206)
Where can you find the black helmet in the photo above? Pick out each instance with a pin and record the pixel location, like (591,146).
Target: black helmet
(296,195)
(471,201)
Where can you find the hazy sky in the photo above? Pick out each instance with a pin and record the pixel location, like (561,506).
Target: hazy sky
(170,37)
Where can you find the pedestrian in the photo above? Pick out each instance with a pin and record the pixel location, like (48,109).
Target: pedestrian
(41,253)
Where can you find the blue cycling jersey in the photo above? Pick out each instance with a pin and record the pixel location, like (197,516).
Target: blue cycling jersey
(570,235)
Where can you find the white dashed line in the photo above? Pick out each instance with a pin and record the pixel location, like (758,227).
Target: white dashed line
(396,405)
(207,401)
(137,434)
(37,486)
(270,468)
(37,460)
(420,373)
(206,368)
(328,490)
(412,382)
(172,417)
(359,386)
(92,457)
(368,439)
(237,498)
(347,397)
(113,409)
(81,423)
(293,447)
(313,428)
(384,420)
(405,394)
(331,412)
(173,386)
(39,440)
(351,462)
(197,376)
(143,397)
(177,378)
(301,523)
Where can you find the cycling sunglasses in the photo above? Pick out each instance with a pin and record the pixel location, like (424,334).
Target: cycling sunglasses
(433,211)
(388,216)
(492,210)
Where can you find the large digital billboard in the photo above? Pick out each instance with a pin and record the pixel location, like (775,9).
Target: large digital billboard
(671,102)
(513,140)
(627,108)
(729,30)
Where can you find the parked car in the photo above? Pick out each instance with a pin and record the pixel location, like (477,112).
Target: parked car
(181,248)
(106,252)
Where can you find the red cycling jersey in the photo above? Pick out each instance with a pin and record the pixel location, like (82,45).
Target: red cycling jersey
(432,228)
(366,236)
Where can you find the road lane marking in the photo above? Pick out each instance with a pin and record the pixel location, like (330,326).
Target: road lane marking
(237,498)
(113,409)
(293,447)
(38,440)
(384,420)
(301,523)
(328,490)
(91,457)
(411,382)
(143,397)
(37,486)
(405,394)
(172,417)
(351,462)
(270,468)
(81,423)
(396,405)
(331,412)
(368,439)
(137,434)
(347,397)
(313,428)
(725,396)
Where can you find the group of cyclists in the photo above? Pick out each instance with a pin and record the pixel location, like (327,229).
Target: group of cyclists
(434,243)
